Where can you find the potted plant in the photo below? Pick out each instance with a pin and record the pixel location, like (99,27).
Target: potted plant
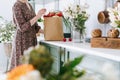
(7,29)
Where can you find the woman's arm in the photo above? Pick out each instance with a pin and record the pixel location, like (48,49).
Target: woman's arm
(20,21)
(35,19)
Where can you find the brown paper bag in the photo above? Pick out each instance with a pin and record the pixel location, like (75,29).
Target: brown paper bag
(53,28)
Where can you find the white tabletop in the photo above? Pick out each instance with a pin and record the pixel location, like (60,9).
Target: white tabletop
(112,54)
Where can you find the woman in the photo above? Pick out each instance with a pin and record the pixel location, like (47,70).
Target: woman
(26,28)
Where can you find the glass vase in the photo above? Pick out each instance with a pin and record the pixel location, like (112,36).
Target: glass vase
(78,36)
(78,30)
(66,28)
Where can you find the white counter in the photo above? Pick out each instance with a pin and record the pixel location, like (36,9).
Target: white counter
(112,54)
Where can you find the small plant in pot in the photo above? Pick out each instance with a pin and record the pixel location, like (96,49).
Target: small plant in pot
(7,29)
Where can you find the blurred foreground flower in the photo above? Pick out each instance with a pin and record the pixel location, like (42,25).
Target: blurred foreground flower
(24,72)
(40,58)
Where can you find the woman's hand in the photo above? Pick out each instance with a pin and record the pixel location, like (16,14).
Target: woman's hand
(41,31)
(41,12)
(35,19)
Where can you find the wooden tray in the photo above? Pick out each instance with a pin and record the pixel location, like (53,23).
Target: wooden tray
(104,42)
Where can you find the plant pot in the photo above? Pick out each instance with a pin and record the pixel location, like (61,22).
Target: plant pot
(8,49)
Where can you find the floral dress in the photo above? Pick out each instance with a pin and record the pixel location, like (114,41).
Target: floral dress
(25,35)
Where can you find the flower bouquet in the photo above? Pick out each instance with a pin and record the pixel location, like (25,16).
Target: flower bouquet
(114,16)
(76,15)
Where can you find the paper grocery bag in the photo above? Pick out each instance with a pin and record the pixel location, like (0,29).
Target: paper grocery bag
(53,28)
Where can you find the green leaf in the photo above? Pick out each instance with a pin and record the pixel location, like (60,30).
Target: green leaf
(40,20)
(118,26)
(68,76)
(73,63)
(79,73)
(70,65)
(67,22)
(52,77)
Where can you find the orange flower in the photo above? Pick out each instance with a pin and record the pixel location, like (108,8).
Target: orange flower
(19,71)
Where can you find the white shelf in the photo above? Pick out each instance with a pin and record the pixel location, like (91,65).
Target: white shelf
(112,54)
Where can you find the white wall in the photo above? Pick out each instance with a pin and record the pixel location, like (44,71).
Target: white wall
(95,6)
(6,9)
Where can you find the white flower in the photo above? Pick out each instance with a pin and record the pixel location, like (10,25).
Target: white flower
(3,76)
(33,75)
(27,55)
(113,24)
(114,16)
(73,10)
(7,29)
